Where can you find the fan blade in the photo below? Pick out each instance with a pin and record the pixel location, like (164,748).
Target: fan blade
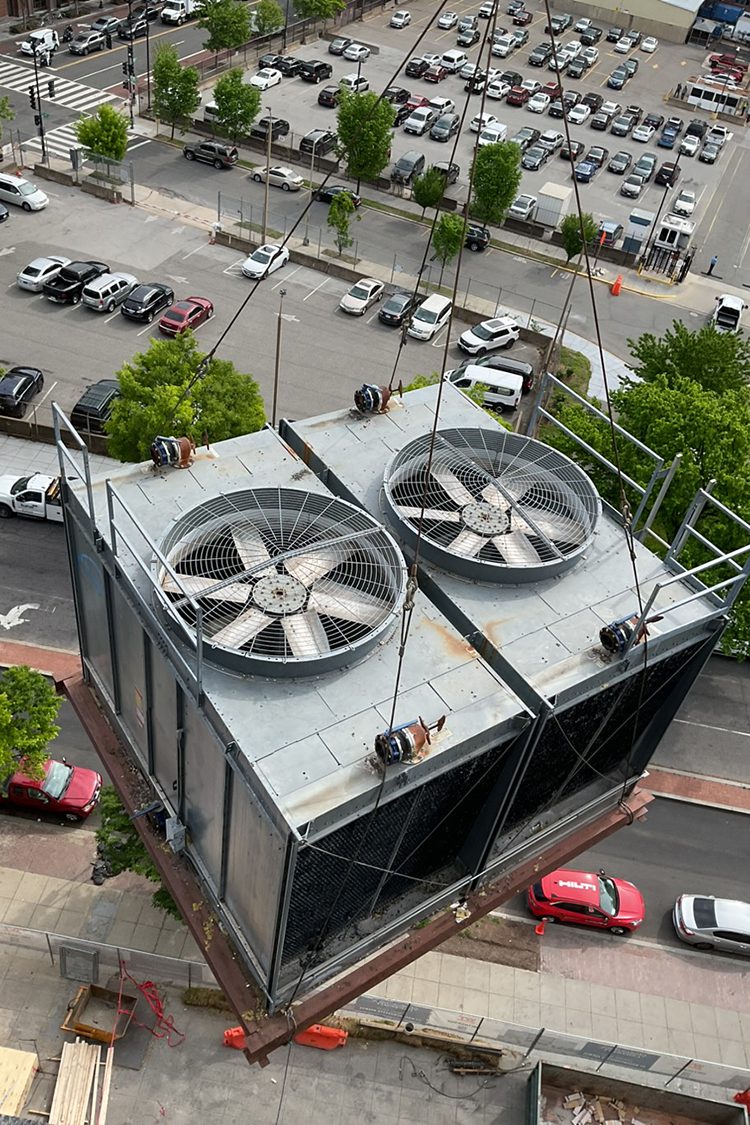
(451,485)
(346,603)
(312,566)
(187,546)
(305,634)
(242,629)
(468,543)
(516,549)
(249,544)
(500,491)
(556,526)
(430,514)
(202,587)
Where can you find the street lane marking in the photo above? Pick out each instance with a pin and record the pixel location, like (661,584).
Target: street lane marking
(708,726)
(286,277)
(315,290)
(143,331)
(195,251)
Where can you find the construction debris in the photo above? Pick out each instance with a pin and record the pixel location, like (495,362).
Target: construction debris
(579,1108)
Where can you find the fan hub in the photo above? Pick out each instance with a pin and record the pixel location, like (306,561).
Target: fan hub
(486,519)
(280,594)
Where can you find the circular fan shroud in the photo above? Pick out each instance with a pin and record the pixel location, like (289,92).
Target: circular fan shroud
(286,582)
(498,506)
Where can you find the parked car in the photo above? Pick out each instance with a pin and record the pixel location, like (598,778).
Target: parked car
(632,186)
(279,176)
(65,287)
(94,408)
(106,292)
(64,790)
(620,163)
(397,309)
(585,171)
(265,260)
(277,126)
(587,899)
(447,20)
(517,96)
(87,41)
(498,89)
(540,56)
(448,169)
(572,151)
(318,141)
(421,120)
(645,166)
(618,78)
(315,70)
(415,68)
(361,296)
(396,95)
(357,52)
(190,313)
(523,207)
(526,137)
(400,19)
(33,276)
(435,73)
(265,79)
(22,193)
(706,922)
(579,114)
(685,202)
(689,146)
(709,154)
(668,174)
(146,300)
(211,152)
(18,387)
(535,157)
(649,44)
(338,45)
(489,335)
(643,133)
(598,155)
(289,66)
(408,166)
(539,103)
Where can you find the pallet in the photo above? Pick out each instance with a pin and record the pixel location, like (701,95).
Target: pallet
(17,1070)
(77,1077)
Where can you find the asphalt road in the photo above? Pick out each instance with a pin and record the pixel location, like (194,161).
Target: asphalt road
(36,602)
(699,849)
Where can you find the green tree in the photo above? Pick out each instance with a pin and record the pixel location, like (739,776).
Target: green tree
(7,113)
(105,133)
(269,17)
(339,218)
(237,105)
(162,395)
(176,93)
(428,189)
(123,849)
(28,709)
(497,177)
(570,230)
(227,22)
(447,239)
(717,361)
(318,9)
(364,127)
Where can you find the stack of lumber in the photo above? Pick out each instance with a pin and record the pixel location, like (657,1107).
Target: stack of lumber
(17,1070)
(75,1097)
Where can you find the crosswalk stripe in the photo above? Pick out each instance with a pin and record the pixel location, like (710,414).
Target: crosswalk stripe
(71,95)
(61,140)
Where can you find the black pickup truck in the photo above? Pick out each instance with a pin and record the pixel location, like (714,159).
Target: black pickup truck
(66,287)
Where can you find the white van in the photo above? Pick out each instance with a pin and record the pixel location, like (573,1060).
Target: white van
(22,193)
(43,41)
(430,317)
(210,113)
(502,391)
(454,60)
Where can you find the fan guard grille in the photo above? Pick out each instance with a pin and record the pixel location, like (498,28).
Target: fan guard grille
(498,506)
(288,582)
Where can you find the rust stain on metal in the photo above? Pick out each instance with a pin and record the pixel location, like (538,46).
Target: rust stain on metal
(493,630)
(455,646)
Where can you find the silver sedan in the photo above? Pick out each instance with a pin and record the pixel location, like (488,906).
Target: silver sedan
(706,922)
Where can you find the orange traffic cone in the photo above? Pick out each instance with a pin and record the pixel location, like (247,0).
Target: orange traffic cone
(539,928)
(324,1038)
(616,286)
(235,1037)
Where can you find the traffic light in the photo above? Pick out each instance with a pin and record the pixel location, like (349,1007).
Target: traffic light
(51,88)
(32,97)
(37,119)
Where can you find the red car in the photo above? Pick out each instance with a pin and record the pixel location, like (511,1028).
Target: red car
(518,96)
(522,18)
(65,790)
(552,89)
(435,74)
(587,899)
(186,314)
(416,101)
(720,62)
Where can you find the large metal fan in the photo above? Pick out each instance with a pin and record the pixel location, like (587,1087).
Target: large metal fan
(283,581)
(492,505)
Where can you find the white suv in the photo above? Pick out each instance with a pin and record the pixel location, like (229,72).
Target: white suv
(500,332)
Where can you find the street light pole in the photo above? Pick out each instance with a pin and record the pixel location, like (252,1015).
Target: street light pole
(269,139)
(148,58)
(277,361)
(131,64)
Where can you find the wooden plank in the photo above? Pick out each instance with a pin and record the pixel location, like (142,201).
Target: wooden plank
(17,1070)
(72,1095)
(102,1118)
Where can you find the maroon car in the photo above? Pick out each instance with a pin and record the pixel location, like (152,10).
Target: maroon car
(522,18)
(64,790)
(435,74)
(189,313)
(519,95)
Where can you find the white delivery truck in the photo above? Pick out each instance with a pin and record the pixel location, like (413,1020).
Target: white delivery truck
(43,42)
(177,11)
(36,496)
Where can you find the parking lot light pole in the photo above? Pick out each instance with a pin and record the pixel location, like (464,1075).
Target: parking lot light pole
(269,139)
(277,360)
(148,59)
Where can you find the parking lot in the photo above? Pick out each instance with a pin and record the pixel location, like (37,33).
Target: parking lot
(324,353)
(658,73)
